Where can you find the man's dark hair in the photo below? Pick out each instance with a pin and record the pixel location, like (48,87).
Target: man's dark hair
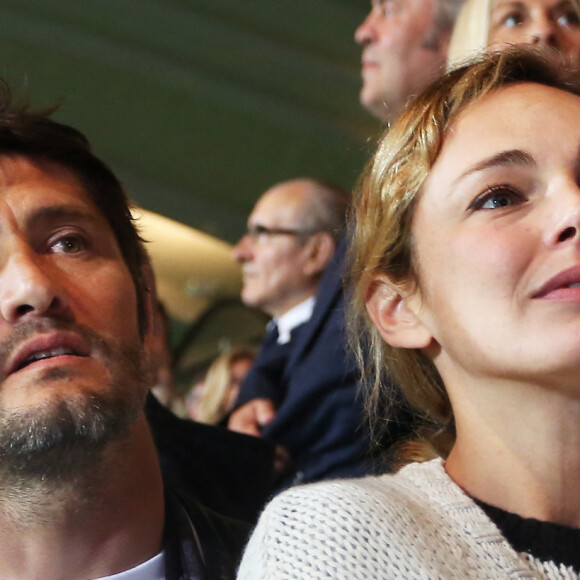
(38,138)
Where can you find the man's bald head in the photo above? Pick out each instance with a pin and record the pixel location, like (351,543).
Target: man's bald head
(292,233)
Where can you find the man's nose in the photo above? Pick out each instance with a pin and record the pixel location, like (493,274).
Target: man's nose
(365,33)
(241,252)
(28,288)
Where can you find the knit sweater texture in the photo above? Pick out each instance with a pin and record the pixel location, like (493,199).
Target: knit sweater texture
(416,524)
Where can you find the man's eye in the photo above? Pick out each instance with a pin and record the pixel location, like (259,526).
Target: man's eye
(68,245)
(387,7)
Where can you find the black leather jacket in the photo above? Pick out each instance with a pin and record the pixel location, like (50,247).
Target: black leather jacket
(200,544)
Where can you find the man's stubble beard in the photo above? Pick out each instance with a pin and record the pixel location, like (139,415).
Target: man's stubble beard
(64,438)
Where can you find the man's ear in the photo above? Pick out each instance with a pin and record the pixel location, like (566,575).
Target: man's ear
(321,248)
(150,302)
(394,316)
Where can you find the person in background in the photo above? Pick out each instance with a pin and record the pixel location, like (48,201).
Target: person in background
(301,392)
(221,386)
(495,24)
(404,48)
(466,273)
(227,472)
(191,398)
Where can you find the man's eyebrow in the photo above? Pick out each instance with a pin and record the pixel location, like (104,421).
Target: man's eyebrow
(502,159)
(55,213)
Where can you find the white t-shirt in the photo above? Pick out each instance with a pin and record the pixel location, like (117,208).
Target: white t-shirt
(152,569)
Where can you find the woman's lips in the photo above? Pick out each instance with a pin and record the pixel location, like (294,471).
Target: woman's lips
(566,284)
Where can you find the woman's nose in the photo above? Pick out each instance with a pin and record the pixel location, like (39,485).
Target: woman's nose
(545,32)
(564,216)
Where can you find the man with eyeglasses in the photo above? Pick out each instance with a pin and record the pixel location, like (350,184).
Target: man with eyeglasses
(301,391)
(290,240)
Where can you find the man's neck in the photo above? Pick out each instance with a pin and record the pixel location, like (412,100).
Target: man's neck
(103,522)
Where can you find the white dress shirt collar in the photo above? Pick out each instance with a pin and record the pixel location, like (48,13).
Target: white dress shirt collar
(293,318)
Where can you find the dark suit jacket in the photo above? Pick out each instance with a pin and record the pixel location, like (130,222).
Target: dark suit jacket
(320,417)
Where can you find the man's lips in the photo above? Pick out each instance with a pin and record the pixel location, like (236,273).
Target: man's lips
(368,65)
(563,284)
(368,61)
(46,346)
(248,272)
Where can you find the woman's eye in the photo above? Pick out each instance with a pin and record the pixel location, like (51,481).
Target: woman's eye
(512,20)
(496,198)
(568,18)
(68,245)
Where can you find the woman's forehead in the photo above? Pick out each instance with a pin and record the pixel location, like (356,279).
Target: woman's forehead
(518,115)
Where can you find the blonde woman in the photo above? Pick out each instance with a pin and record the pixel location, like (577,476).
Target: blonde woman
(221,386)
(495,24)
(467,287)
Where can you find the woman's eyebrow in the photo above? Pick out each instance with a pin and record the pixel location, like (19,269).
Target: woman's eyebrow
(502,159)
(560,5)
(513,3)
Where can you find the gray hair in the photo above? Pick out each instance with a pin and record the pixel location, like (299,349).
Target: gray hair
(327,209)
(448,12)
(445,13)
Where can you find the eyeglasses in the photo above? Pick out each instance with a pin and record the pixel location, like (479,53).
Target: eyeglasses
(258,232)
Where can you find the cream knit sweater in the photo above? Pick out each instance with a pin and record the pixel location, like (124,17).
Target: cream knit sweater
(415,524)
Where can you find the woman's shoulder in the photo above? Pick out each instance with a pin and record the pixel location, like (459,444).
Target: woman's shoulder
(416,475)
(366,498)
(373,522)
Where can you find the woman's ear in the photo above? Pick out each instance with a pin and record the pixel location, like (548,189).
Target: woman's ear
(395,318)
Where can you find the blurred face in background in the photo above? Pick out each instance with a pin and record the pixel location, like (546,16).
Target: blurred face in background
(275,253)
(403,51)
(554,23)
(239,369)
(193,398)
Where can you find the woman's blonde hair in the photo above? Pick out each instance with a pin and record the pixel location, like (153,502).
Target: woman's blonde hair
(213,402)
(471,31)
(469,37)
(382,216)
